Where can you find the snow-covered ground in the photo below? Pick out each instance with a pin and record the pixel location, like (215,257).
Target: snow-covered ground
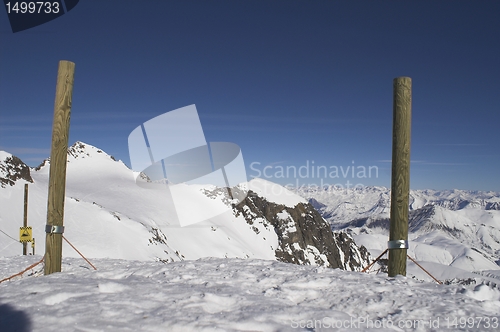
(216,294)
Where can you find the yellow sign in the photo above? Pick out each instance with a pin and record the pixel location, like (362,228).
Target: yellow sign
(25,234)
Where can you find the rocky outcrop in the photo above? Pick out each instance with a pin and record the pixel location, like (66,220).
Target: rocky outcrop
(304,236)
(80,150)
(492,206)
(13,169)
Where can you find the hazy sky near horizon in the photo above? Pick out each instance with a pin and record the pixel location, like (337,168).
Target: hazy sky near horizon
(293,83)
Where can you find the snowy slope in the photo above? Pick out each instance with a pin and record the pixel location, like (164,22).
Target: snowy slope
(235,295)
(341,206)
(275,193)
(108,215)
(456,228)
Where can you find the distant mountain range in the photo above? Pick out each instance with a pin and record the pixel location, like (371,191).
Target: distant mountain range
(455,228)
(108,215)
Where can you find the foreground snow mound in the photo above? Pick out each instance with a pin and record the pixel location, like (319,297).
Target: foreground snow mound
(232,295)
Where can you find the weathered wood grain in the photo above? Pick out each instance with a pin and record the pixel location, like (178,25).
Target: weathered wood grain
(400,182)
(58,159)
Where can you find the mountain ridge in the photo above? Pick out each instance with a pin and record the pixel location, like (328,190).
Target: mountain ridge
(456,228)
(108,215)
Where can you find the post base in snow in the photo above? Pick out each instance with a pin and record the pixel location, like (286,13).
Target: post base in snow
(397,262)
(53,253)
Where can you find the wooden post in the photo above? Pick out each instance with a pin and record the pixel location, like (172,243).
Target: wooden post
(25,219)
(58,159)
(400,182)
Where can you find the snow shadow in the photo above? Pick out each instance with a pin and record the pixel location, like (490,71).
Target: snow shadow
(13,320)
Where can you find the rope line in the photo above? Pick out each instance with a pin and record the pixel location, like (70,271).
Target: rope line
(21,273)
(420,266)
(414,261)
(43,258)
(375,261)
(9,236)
(72,246)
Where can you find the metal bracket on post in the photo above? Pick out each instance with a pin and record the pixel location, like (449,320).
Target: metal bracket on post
(398,244)
(53,229)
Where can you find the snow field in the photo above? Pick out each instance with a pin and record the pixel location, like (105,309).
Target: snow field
(107,215)
(215,294)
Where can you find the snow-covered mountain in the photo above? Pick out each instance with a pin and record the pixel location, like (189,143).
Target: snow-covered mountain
(455,228)
(107,215)
(12,169)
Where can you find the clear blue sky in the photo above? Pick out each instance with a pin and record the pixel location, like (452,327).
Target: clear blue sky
(290,82)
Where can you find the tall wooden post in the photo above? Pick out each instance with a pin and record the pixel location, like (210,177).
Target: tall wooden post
(25,219)
(400,182)
(58,159)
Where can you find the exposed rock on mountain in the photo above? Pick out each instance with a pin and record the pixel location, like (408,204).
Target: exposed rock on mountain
(12,169)
(304,236)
